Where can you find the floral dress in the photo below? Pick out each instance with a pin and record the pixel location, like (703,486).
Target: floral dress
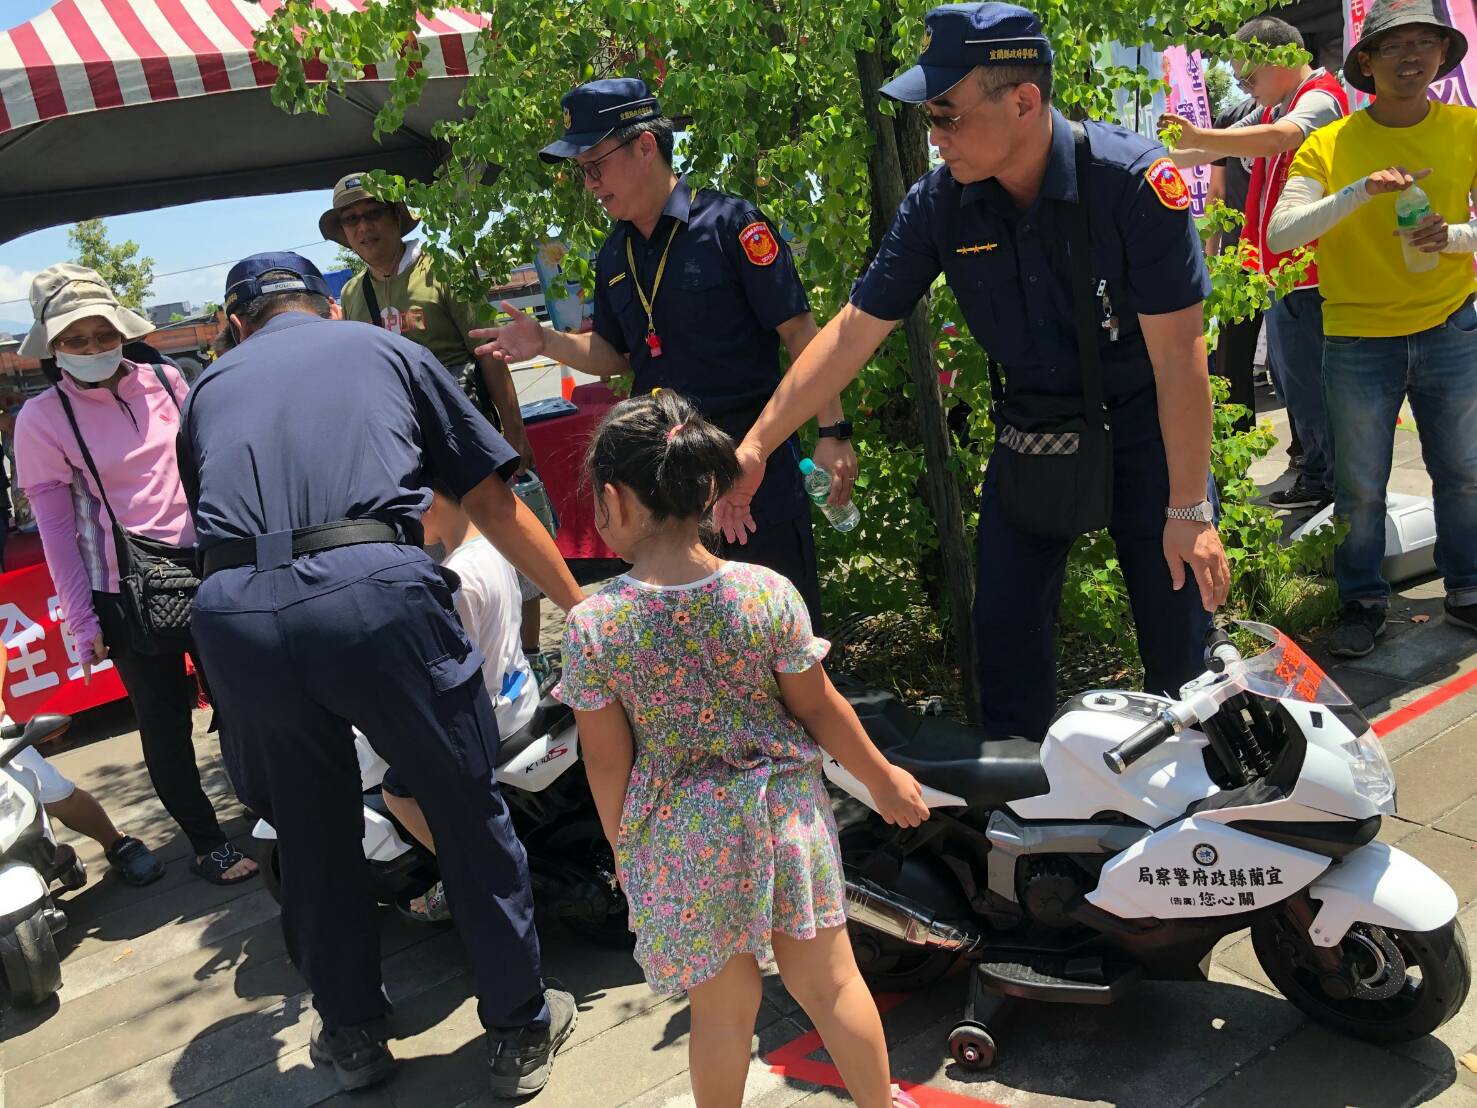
(726,834)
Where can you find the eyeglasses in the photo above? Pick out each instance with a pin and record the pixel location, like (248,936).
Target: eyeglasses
(591,170)
(1247,81)
(1425,44)
(950,123)
(369,215)
(77,344)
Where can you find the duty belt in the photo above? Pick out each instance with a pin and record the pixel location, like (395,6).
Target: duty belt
(305,540)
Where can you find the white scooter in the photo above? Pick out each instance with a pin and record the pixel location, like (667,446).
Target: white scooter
(30,861)
(1139,833)
(569,860)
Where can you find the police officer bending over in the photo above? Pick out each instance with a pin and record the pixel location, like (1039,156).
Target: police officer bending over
(310,450)
(694,291)
(998,219)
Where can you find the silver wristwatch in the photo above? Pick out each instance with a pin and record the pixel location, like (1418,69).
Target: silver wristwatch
(1195,513)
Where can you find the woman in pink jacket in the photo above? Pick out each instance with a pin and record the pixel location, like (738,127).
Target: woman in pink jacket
(128,414)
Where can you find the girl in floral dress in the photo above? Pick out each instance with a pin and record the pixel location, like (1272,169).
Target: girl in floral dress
(702,711)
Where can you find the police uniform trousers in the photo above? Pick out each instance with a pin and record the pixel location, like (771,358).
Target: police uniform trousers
(297,652)
(1019,587)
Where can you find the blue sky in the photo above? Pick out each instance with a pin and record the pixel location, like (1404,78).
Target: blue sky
(211,235)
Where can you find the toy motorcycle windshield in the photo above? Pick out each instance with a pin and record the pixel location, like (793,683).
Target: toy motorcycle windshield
(1285,672)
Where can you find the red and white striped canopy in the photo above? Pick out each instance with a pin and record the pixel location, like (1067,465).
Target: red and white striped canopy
(91,55)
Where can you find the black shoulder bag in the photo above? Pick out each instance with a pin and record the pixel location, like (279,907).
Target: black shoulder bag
(468,376)
(1054,454)
(157,582)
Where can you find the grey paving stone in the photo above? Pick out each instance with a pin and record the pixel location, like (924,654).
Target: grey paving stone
(1317,1068)
(1461,820)
(1438,776)
(1414,655)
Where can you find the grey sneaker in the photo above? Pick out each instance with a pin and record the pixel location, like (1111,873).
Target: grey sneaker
(1462,615)
(358,1055)
(1358,627)
(522,1059)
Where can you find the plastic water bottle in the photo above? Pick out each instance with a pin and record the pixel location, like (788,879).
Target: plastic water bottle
(817,482)
(1412,206)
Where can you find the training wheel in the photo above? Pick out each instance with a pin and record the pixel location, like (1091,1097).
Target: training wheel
(972,1046)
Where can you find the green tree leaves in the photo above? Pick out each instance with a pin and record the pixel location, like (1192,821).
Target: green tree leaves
(131,277)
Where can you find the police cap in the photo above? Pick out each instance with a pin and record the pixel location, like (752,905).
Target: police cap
(289,272)
(958,37)
(594,111)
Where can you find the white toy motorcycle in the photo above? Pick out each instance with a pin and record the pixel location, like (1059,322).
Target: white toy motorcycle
(30,860)
(1139,833)
(539,770)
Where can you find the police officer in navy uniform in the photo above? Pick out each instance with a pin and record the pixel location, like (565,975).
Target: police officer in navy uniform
(309,452)
(994,220)
(694,291)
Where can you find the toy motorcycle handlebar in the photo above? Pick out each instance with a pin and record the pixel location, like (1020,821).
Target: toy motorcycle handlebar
(1220,653)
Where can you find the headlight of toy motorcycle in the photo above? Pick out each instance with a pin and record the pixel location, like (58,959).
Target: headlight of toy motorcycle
(1374,779)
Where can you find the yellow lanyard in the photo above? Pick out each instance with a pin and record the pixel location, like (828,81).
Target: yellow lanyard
(653,341)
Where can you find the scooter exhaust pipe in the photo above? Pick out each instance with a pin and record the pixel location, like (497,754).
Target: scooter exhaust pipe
(902,918)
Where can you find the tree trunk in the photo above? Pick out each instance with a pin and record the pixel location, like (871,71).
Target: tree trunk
(899,142)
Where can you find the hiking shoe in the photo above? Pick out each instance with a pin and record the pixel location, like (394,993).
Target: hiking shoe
(1358,627)
(1463,615)
(136,864)
(522,1058)
(1301,494)
(358,1055)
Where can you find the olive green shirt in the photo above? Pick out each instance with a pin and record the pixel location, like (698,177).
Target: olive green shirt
(412,303)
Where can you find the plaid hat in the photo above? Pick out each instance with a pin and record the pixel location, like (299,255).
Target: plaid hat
(1386,15)
(594,111)
(351,190)
(958,37)
(64,293)
(290,273)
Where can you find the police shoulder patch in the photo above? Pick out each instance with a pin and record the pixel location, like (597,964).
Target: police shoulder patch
(760,245)
(1164,178)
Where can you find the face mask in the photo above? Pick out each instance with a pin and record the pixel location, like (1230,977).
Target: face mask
(91,368)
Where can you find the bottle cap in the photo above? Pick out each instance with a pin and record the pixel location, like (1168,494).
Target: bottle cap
(806,467)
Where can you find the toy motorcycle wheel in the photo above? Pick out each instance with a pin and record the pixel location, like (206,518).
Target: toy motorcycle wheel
(972,1046)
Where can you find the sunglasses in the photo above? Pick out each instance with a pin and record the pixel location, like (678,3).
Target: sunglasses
(370,215)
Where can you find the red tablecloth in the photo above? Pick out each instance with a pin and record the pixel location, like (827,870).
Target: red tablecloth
(559,446)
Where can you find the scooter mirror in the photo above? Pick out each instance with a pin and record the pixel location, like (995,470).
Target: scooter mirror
(14,738)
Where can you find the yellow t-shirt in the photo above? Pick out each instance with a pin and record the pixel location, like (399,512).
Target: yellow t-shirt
(1368,292)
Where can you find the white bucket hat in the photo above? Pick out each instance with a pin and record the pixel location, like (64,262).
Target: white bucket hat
(64,293)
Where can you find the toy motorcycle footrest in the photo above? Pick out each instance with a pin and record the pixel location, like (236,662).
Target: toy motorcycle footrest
(1061,981)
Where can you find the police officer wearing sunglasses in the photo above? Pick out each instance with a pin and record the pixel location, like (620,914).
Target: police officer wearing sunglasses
(1103,409)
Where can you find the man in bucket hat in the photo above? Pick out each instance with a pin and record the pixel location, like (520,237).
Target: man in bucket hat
(695,291)
(410,301)
(1395,330)
(998,219)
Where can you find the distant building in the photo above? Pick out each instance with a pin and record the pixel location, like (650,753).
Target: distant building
(162,313)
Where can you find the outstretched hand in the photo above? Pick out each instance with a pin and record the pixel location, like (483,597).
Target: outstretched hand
(1395,179)
(521,338)
(732,515)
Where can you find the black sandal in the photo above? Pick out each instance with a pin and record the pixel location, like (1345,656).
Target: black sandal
(214,866)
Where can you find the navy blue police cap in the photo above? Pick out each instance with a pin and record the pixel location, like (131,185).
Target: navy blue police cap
(594,111)
(289,272)
(958,37)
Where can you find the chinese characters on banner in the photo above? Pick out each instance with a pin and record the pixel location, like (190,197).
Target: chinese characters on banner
(1457,87)
(42,670)
(1187,97)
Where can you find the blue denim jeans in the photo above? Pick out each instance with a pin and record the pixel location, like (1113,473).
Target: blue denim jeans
(1295,351)
(1364,383)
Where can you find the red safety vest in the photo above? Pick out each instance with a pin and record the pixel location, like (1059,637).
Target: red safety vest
(1269,177)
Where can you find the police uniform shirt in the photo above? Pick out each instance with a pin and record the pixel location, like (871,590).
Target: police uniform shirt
(313,420)
(729,282)
(1010,269)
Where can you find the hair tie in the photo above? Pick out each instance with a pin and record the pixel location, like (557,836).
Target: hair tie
(672,434)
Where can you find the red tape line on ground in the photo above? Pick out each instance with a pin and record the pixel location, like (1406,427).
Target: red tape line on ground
(1433,699)
(793,1060)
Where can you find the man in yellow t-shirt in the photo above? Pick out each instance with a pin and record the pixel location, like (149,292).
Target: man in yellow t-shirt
(1395,327)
